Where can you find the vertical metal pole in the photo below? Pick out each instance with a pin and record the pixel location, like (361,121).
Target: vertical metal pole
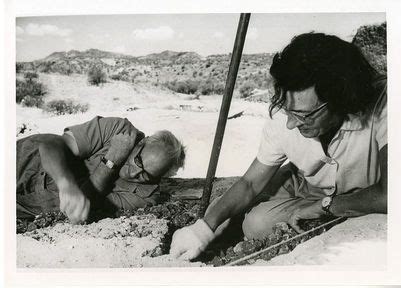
(225,107)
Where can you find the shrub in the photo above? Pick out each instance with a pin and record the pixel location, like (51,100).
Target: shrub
(206,88)
(115,77)
(30,93)
(46,67)
(96,76)
(19,67)
(61,107)
(30,76)
(211,87)
(185,87)
(372,40)
(31,101)
(121,76)
(246,89)
(64,68)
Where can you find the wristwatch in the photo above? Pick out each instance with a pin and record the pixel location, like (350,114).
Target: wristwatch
(108,163)
(326,203)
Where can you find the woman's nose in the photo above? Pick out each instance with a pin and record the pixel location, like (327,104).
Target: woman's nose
(292,122)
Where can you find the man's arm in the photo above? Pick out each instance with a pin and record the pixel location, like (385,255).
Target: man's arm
(190,241)
(241,194)
(372,199)
(120,148)
(53,152)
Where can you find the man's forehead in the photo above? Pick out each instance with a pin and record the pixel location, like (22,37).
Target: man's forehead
(304,100)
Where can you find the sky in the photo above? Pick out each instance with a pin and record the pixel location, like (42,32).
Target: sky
(205,34)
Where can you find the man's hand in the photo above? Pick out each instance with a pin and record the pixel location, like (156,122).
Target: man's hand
(73,202)
(121,146)
(305,211)
(190,241)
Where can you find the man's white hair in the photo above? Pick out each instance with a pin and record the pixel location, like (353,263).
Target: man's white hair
(175,150)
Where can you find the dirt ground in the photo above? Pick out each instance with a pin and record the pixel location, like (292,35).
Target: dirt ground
(194,122)
(122,242)
(360,238)
(144,235)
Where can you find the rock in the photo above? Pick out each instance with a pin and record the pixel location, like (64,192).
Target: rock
(238,248)
(282,226)
(31,227)
(284,249)
(217,261)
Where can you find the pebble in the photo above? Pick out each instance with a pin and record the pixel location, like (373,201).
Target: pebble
(238,248)
(31,227)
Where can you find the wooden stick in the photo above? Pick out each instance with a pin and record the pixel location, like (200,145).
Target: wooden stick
(225,107)
(250,256)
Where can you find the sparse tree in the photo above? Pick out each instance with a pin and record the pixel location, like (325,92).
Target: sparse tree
(96,76)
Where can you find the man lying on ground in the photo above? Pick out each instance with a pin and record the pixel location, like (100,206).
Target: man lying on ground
(105,163)
(336,158)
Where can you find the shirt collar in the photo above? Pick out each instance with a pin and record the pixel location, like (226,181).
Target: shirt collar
(353,123)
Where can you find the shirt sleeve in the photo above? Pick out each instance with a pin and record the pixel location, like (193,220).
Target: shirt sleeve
(139,197)
(95,134)
(270,151)
(380,119)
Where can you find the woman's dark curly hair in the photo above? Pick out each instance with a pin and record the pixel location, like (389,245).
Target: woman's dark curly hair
(337,69)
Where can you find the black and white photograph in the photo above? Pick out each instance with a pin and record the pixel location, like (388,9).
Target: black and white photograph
(142,143)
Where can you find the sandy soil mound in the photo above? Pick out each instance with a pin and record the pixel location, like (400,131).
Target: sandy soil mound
(123,242)
(357,241)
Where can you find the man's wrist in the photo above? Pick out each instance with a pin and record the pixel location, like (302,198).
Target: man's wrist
(108,163)
(63,184)
(117,160)
(327,204)
(210,223)
(203,231)
(101,177)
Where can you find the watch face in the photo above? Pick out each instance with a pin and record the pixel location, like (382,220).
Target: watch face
(110,164)
(331,191)
(326,201)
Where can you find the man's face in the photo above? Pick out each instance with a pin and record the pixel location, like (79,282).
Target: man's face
(146,164)
(318,120)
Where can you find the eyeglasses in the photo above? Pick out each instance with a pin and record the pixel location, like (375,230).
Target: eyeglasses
(139,163)
(305,118)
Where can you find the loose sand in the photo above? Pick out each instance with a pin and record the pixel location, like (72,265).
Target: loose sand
(123,242)
(360,241)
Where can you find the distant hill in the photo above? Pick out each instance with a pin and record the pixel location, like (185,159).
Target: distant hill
(168,68)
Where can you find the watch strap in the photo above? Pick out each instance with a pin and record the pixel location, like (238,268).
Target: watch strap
(326,206)
(109,164)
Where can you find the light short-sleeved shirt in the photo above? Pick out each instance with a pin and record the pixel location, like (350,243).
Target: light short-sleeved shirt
(352,160)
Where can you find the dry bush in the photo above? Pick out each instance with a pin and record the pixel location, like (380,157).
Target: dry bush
(246,89)
(31,76)
(185,87)
(19,67)
(96,76)
(210,87)
(30,92)
(372,40)
(62,107)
